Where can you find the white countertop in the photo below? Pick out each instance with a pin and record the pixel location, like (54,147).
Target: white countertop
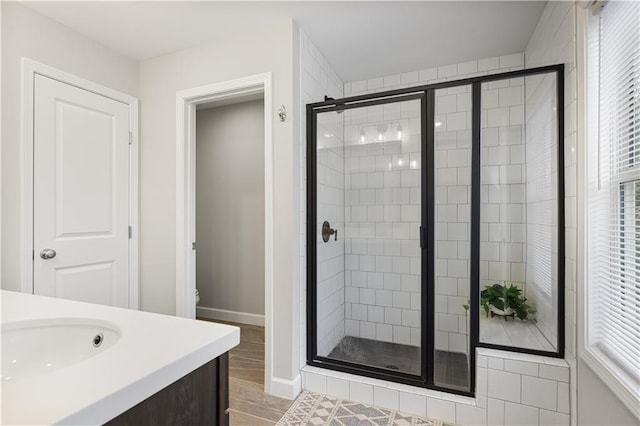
(153,351)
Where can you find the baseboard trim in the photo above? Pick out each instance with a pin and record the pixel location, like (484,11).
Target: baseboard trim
(284,388)
(224,315)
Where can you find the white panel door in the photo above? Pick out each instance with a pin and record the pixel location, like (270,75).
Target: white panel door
(81,195)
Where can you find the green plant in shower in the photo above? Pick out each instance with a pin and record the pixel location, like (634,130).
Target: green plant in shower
(505,301)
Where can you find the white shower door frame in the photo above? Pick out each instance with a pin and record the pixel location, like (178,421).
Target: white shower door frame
(186,102)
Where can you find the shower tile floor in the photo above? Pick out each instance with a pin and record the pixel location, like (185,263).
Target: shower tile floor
(451,368)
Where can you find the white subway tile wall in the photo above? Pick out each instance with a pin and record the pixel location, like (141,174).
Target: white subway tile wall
(518,195)
(386,398)
(553,42)
(382,212)
(399,264)
(317,79)
(542,202)
(511,390)
(434,75)
(330,255)
(337,387)
(452,216)
(502,193)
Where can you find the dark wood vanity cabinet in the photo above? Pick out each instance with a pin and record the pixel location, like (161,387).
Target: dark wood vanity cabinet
(199,398)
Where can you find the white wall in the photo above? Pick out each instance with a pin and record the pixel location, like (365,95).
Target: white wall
(26,33)
(273,51)
(29,34)
(230,207)
(597,405)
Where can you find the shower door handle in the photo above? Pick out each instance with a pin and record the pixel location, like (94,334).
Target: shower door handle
(421,237)
(327,231)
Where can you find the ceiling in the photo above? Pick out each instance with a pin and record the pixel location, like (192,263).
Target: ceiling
(362,39)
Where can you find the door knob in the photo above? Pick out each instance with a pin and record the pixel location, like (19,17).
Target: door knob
(47,254)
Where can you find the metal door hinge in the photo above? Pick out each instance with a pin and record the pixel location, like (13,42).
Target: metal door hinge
(193,245)
(130,231)
(130,138)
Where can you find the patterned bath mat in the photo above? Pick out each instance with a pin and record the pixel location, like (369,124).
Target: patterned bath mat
(312,409)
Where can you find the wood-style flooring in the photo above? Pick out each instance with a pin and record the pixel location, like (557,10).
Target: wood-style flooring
(249,405)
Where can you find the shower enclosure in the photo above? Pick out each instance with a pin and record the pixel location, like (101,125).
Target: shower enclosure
(419,198)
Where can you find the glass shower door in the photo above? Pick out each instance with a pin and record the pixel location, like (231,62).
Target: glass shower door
(452,235)
(423,201)
(368,206)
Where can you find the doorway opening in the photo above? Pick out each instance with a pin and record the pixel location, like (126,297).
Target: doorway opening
(224,190)
(230,225)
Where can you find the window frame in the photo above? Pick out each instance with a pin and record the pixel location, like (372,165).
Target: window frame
(615,377)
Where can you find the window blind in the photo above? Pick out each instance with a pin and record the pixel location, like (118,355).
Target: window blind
(613,190)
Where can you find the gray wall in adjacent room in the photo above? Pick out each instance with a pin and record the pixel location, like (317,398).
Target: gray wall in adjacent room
(230,207)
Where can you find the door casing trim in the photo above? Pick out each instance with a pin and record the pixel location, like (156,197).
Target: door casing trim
(29,69)
(186,101)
